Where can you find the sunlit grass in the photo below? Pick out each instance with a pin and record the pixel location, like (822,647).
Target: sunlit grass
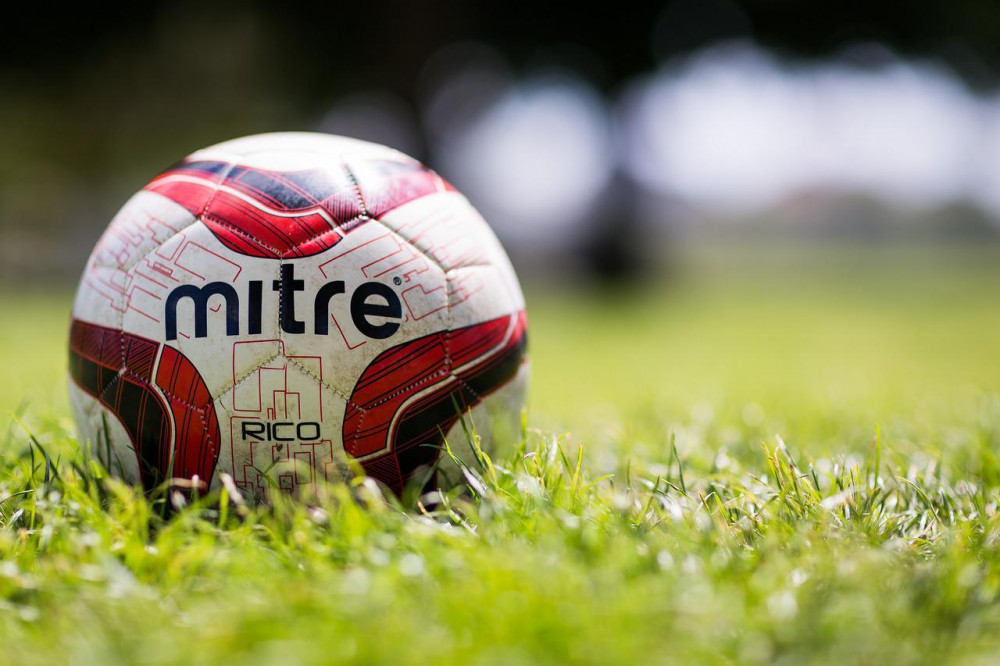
(773,458)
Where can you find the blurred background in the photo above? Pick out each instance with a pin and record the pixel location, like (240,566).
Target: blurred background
(711,200)
(595,143)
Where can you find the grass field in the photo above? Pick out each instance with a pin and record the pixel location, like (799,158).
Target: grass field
(778,455)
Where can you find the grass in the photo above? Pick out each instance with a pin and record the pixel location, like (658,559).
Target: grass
(782,456)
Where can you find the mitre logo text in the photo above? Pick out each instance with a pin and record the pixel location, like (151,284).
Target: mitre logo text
(376,310)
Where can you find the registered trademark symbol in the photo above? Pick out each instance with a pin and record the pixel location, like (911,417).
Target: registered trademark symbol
(397,280)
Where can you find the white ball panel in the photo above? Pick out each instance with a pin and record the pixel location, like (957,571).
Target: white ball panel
(284,150)
(100,298)
(446,228)
(144,224)
(284,390)
(479,293)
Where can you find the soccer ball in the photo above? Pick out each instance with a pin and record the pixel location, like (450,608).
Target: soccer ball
(275,306)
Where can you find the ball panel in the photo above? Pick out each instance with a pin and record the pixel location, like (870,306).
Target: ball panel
(448,230)
(196,438)
(288,150)
(266,213)
(369,255)
(156,394)
(281,428)
(413,393)
(130,259)
(479,293)
(199,301)
(280,207)
(101,430)
(140,227)
(386,184)
(117,370)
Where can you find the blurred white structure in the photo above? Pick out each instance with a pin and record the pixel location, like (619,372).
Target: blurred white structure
(733,129)
(730,130)
(533,155)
